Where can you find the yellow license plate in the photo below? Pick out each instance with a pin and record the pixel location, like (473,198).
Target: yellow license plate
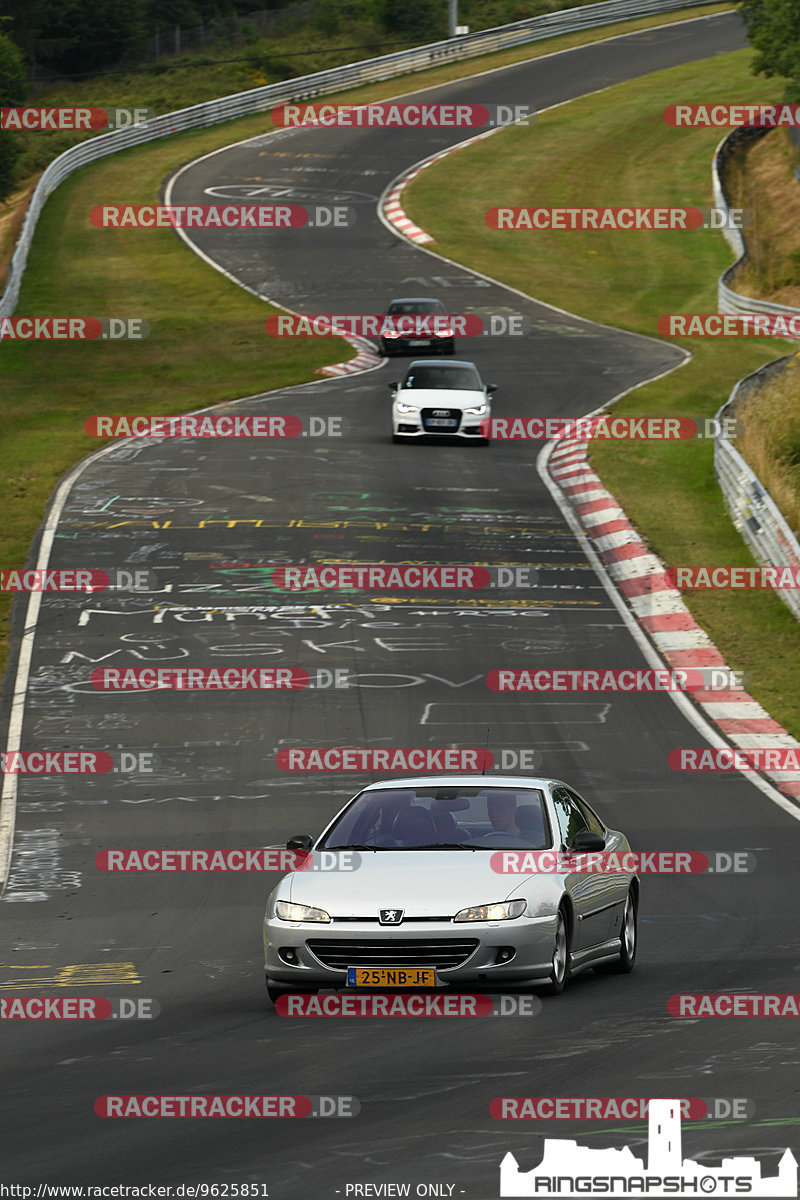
(391,977)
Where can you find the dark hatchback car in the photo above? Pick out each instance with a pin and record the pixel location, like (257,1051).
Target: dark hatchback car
(434,334)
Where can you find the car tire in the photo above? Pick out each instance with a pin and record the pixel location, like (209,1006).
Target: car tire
(559,973)
(628,937)
(397,438)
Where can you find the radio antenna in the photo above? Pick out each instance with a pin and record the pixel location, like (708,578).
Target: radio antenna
(485,748)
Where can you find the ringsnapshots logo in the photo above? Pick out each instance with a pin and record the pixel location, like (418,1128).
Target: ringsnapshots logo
(407,115)
(73,329)
(55,120)
(226,216)
(214,425)
(567,1169)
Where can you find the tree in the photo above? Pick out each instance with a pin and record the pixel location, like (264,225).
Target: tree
(12,92)
(773,27)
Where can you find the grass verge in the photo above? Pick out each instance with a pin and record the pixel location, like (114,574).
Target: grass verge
(614,148)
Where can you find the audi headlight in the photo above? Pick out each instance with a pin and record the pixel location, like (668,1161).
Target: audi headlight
(506,911)
(406,408)
(477,412)
(300,912)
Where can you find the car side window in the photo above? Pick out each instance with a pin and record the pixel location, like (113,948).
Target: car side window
(593,822)
(569,816)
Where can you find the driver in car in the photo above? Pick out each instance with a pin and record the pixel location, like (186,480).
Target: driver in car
(501,810)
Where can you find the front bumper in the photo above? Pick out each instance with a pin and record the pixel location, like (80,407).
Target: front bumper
(402,345)
(530,939)
(418,424)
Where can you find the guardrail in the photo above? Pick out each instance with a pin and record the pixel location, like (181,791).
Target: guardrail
(752,509)
(729,301)
(227,108)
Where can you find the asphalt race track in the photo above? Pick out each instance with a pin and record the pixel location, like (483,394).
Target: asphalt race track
(201,516)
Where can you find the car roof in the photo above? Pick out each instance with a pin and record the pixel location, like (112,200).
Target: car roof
(437,362)
(415,300)
(503,781)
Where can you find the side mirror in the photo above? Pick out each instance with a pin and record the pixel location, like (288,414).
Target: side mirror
(301,841)
(491,387)
(586,840)
(393,384)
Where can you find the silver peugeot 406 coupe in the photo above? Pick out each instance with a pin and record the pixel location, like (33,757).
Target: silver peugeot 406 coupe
(444,881)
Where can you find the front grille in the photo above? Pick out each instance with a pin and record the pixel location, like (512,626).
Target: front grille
(393,952)
(430,415)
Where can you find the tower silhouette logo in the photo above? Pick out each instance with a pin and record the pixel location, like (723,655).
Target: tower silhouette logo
(568,1169)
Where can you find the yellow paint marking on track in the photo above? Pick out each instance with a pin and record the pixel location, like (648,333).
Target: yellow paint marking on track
(73,975)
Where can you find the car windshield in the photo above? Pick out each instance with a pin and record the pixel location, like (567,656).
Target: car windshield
(404,307)
(456,817)
(443,376)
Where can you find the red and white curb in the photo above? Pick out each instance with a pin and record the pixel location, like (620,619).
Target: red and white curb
(392,210)
(640,577)
(364,360)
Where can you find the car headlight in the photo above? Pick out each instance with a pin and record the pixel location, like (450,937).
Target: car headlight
(390,333)
(406,408)
(443,333)
(506,911)
(300,912)
(477,412)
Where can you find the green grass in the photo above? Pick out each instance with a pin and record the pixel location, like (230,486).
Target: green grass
(613,148)
(207,342)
